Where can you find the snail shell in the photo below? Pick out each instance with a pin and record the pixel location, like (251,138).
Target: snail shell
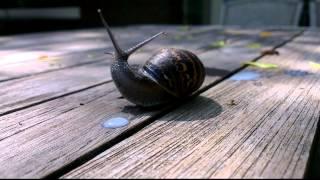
(168,75)
(178,71)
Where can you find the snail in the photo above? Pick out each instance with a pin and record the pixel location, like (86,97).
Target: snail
(169,75)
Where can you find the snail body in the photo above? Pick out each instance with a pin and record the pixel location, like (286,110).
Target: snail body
(170,74)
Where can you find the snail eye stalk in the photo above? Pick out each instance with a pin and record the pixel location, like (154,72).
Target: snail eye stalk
(118,51)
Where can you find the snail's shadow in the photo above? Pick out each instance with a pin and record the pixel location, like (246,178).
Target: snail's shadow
(194,108)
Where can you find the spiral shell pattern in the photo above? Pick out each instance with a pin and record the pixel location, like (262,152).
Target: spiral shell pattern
(179,72)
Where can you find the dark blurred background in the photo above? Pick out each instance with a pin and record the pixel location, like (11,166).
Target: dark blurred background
(23,16)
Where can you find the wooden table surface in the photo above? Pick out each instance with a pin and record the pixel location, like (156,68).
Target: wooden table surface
(56,91)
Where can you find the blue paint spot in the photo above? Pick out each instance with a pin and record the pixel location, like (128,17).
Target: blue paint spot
(296,73)
(115,122)
(245,76)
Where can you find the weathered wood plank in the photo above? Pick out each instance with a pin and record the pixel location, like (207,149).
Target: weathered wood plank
(27,41)
(78,41)
(19,63)
(64,134)
(55,84)
(62,50)
(35,39)
(266,133)
(85,47)
(42,87)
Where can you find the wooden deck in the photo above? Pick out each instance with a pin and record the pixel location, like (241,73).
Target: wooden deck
(56,91)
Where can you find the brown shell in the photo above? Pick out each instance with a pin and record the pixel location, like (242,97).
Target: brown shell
(178,71)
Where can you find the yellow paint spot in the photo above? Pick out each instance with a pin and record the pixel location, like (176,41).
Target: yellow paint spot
(218,44)
(43,57)
(265,34)
(254,46)
(233,32)
(262,65)
(47,58)
(314,65)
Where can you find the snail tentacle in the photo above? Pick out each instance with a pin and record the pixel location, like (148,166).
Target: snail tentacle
(118,51)
(141,44)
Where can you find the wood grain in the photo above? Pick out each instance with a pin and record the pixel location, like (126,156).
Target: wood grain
(63,130)
(24,92)
(39,53)
(35,40)
(78,51)
(266,132)
(17,94)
